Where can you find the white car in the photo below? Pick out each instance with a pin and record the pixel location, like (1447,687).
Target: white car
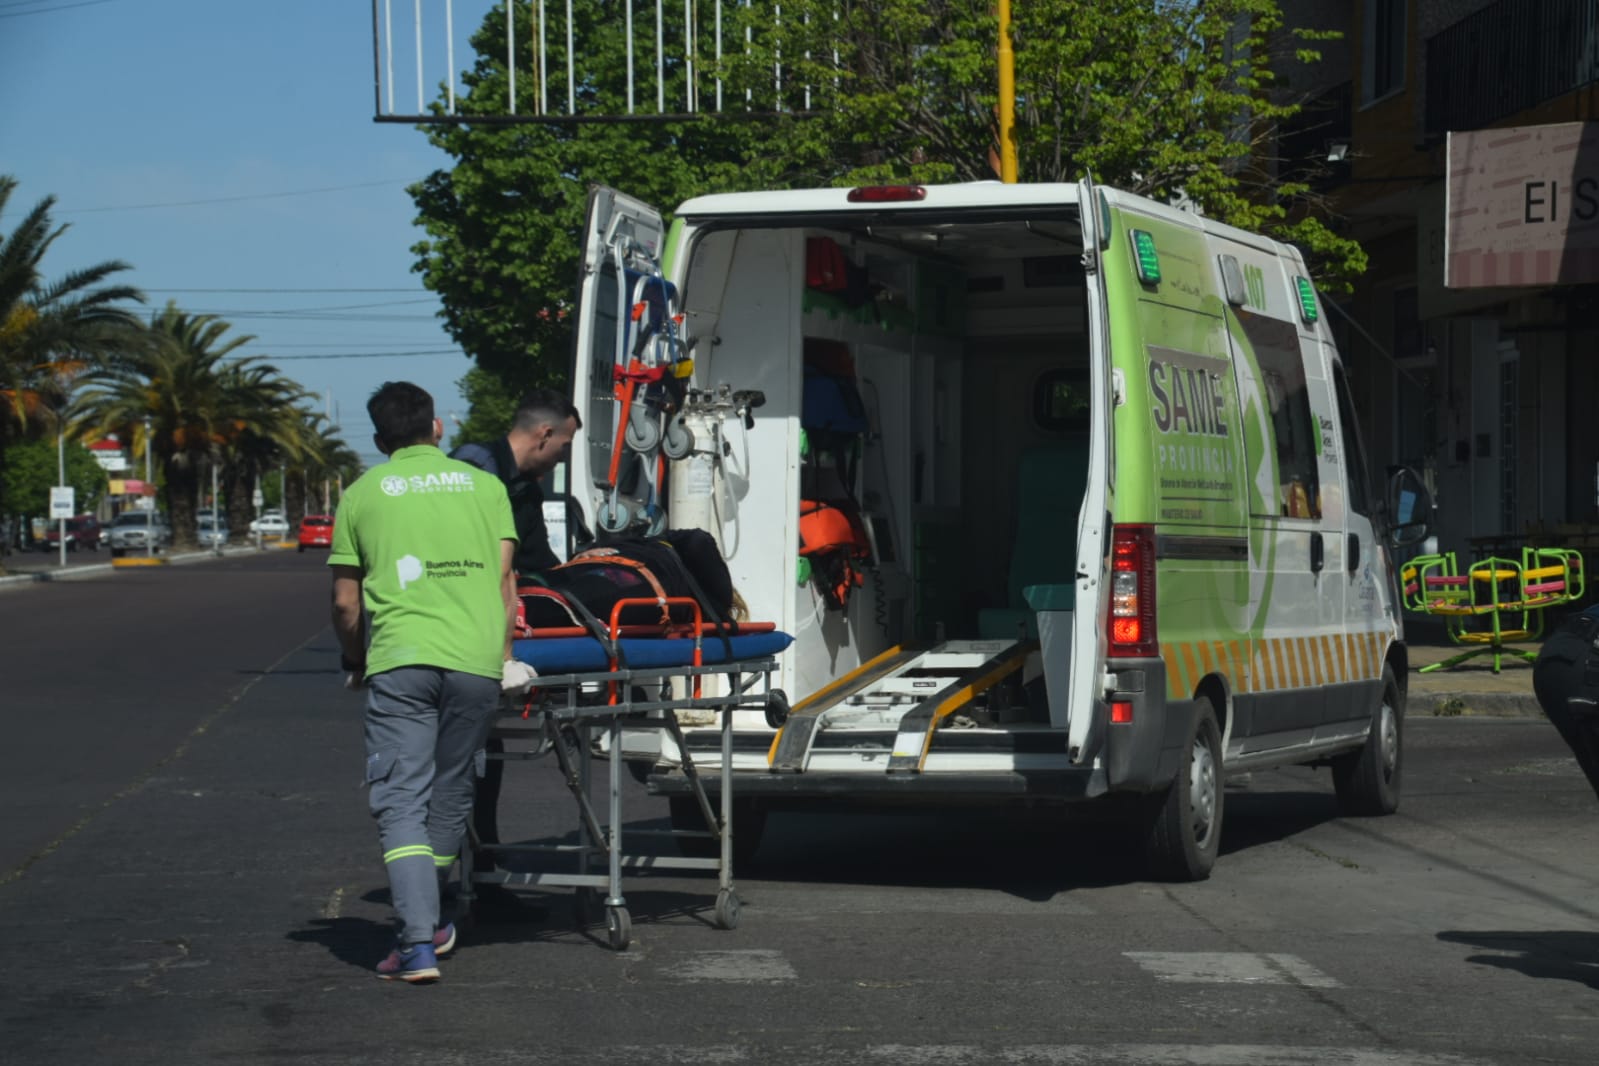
(211,533)
(271,524)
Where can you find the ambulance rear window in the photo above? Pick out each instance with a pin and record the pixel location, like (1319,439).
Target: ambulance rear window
(1061,401)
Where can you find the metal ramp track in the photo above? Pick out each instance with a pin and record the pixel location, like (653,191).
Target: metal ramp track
(931,684)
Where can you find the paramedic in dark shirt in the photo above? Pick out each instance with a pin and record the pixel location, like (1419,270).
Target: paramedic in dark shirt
(541,433)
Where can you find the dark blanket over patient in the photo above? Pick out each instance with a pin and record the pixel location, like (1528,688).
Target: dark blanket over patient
(677,563)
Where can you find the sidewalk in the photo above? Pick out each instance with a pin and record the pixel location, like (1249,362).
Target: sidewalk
(1471,687)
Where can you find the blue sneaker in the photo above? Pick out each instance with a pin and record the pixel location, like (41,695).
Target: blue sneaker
(444,939)
(413,963)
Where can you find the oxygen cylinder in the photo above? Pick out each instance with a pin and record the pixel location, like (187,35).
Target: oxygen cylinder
(697,478)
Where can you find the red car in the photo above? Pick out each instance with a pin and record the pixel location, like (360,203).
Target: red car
(83,531)
(316,531)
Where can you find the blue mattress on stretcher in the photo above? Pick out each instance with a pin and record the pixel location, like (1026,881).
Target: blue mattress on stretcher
(579,655)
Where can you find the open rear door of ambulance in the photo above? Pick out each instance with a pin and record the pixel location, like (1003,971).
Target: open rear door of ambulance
(1086,686)
(622,235)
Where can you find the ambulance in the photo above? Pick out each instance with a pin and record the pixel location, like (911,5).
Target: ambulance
(1059,490)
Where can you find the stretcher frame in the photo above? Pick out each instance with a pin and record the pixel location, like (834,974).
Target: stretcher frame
(573,707)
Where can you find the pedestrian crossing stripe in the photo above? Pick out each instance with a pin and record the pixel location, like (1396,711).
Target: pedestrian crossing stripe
(1276,664)
(1231,967)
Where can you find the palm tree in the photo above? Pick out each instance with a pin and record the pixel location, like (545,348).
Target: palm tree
(51,331)
(199,398)
(272,434)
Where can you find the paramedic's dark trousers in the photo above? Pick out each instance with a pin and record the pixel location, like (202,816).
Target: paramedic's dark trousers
(423,728)
(1566,679)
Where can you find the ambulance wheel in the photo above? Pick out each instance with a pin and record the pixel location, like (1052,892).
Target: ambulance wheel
(1368,781)
(679,439)
(618,928)
(1184,828)
(586,906)
(749,825)
(727,908)
(643,434)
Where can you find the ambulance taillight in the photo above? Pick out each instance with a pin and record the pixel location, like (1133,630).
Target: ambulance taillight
(1131,616)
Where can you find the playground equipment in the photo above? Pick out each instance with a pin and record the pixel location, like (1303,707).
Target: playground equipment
(1496,602)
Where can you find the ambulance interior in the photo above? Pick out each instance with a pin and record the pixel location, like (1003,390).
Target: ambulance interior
(958,480)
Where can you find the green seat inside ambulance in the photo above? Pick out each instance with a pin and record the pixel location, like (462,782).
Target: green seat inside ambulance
(1050,482)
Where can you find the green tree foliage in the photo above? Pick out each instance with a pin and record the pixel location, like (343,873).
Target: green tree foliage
(31,471)
(201,399)
(492,406)
(50,330)
(1168,98)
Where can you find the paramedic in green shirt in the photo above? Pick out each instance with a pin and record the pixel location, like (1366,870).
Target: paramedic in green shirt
(424,544)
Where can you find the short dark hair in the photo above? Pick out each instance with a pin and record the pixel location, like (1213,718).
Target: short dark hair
(402,414)
(544,407)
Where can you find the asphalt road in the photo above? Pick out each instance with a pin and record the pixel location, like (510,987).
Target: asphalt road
(189,876)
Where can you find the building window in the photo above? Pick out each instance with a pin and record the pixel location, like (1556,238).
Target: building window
(1384,52)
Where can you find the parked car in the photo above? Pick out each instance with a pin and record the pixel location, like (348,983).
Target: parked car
(211,532)
(140,531)
(271,524)
(83,531)
(316,531)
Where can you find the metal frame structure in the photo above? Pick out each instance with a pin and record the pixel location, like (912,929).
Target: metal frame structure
(572,709)
(691,66)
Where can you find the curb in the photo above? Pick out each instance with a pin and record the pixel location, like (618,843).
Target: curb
(1473,704)
(79,573)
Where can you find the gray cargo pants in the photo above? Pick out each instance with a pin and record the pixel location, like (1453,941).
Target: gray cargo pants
(423,727)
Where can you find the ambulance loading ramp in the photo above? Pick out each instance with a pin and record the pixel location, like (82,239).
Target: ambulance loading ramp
(909,692)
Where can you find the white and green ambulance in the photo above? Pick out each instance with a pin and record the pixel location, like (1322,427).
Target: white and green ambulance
(1058,489)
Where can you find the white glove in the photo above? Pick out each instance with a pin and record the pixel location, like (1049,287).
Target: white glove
(516,677)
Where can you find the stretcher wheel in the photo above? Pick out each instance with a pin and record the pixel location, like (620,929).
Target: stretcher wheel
(618,928)
(654,520)
(679,439)
(614,517)
(776,708)
(727,908)
(643,433)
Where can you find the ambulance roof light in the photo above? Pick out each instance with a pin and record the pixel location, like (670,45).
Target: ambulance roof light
(886,194)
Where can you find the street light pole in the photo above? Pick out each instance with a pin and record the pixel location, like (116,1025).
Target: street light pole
(149,528)
(61,479)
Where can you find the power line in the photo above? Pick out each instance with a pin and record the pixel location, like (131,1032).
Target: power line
(352,355)
(148,288)
(44,10)
(231,199)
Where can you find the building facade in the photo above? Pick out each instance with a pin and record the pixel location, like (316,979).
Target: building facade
(1489,391)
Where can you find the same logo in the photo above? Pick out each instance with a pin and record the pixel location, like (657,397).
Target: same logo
(394,485)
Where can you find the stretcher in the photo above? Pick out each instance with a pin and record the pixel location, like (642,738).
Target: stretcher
(597,682)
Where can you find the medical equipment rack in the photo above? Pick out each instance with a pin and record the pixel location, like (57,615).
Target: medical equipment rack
(575,706)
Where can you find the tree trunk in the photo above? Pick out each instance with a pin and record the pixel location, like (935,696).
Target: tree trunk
(182,483)
(294,499)
(239,484)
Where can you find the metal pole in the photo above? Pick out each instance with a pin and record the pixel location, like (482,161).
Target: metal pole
(510,54)
(1007,98)
(388,48)
(571,65)
(149,527)
(449,47)
(216,513)
(630,59)
(61,479)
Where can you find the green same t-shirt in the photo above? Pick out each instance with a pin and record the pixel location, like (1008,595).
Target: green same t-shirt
(425,530)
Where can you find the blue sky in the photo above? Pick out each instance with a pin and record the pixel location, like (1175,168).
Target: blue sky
(118,104)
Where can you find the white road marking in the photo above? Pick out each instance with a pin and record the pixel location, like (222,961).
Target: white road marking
(750,965)
(1161,1055)
(1231,967)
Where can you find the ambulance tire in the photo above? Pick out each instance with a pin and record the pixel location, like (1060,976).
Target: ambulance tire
(1368,781)
(749,825)
(1184,820)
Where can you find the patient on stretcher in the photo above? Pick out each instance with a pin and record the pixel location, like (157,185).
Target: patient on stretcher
(677,563)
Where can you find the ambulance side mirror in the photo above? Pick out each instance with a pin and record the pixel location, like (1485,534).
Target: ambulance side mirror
(1409,508)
